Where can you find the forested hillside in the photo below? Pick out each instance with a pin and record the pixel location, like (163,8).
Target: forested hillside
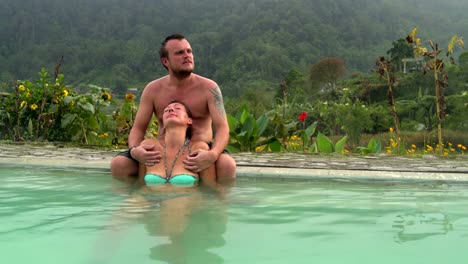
(114,43)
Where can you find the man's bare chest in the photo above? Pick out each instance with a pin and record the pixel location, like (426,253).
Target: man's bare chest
(195,101)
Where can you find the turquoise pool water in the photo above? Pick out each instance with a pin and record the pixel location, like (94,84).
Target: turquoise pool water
(53,215)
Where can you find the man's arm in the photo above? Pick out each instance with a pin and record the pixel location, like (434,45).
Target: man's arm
(144,154)
(218,116)
(142,119)
(200,160)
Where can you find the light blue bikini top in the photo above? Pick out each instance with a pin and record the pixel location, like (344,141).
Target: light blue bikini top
(184,179)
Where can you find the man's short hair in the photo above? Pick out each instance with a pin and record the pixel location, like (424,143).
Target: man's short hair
(162,50)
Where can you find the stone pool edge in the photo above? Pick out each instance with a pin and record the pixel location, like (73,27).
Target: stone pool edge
(267,172)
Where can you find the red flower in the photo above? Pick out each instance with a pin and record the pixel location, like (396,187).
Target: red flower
(303,116)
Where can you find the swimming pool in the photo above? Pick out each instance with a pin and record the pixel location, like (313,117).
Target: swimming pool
(66,215)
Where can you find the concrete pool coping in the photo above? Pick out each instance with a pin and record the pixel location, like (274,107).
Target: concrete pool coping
(264,165)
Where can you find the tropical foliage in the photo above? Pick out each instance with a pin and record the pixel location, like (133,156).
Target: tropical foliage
(297,74)
(114,43)
(436,60)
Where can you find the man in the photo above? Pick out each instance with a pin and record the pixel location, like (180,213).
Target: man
(204,99)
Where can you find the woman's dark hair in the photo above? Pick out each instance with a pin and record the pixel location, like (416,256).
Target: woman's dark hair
(188,132)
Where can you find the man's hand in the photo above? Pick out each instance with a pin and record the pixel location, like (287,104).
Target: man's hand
(146,154)
(200,160)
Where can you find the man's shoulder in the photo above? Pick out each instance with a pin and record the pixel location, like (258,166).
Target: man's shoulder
(154,84)
(205,82)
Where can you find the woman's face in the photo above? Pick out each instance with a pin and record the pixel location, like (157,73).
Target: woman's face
(176,112)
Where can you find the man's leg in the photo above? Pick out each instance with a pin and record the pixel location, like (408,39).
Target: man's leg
(124,169)
(225,169)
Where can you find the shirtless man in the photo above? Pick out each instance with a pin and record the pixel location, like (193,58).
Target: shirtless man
(202,96)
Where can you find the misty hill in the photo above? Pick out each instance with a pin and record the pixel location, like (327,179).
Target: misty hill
(114,43)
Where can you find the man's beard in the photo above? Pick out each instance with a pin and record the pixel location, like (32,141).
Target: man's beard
(182,73)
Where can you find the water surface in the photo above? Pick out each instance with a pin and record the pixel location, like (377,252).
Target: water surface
(53,215)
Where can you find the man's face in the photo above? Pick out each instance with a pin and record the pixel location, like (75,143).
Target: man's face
(180,57)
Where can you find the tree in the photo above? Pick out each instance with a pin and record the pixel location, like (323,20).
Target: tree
(326,73)
(436,63)
(400,50)
(386,71)
(463,60)
(295,81)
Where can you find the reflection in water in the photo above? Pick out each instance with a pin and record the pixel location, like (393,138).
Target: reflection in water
(417,226)
(295,223)
(193,223)
(182,223)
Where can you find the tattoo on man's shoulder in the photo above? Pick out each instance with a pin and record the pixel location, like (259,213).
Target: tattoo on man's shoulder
(218,100)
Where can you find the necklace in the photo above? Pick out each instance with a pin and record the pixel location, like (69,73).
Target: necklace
(169,173)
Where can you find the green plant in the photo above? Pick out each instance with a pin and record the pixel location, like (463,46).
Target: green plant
(282,124)
(395,144)
(435,63)
(85,116)
(305,133)
(374,146)
(246,132)
(354,118)
(386,71)
(124,117)
(35,108)
(324,145)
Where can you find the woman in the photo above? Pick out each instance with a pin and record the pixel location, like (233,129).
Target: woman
(175,146)
(169,193)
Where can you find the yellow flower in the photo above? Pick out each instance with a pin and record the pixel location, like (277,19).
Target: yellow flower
(23,103)
(391,130)
(21,87)
(105,96)
(413,146)
(65,92)
(389,150)
(459,145)
(155,133)
(28,94)
(33,106)
(104,135)
(463,147)
(129,97)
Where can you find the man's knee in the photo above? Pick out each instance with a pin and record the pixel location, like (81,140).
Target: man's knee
(226,167)
(123,167)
